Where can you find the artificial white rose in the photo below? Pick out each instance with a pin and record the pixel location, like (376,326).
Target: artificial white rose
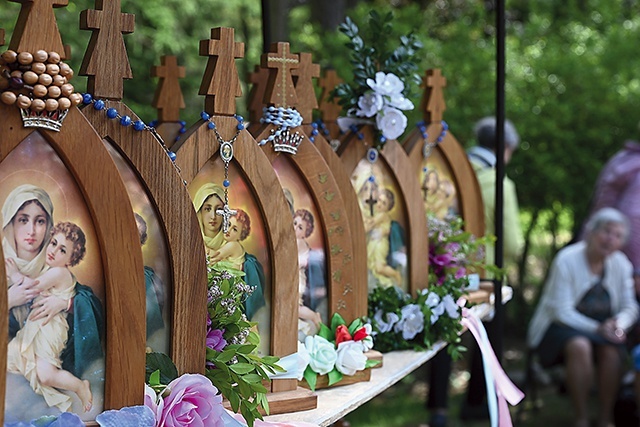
(400,102)
(436,312)
(386,84)
(387,324)
(451,307)
(322,354)
(391,122)
(350,357)
(369,104)
(411,323)
(432,300)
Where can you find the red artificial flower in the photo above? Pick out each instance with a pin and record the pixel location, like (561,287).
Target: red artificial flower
(342,334)
(360,334)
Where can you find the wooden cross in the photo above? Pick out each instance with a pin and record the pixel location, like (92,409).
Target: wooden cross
(259,80)
(168,98)
(106,61)
(371,201)
(305,89)
(329,107)
(220,82)
(37,27)
(280,89)
(433,101)
(425,190)
(226,213)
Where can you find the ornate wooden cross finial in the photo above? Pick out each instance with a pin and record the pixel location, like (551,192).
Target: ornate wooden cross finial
(106,61)
(329,107)
(221,83)
(433,105)
(258,79)
(305,90)
(37,27)
(280,88)
(168,98)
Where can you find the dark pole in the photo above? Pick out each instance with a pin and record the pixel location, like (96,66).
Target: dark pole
(498,321)
(266,26)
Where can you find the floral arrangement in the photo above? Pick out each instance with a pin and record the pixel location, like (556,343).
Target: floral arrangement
(401,321)
(338,350)
(382,76)
(232,363)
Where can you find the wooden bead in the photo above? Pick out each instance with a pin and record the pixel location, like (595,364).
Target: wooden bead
(53,91)
(53,69)
(40,56)
(75,98)
(40,91)
(8,97)
(23,102)
(45,79)
(38,67)
(66,89)
(16,73)
(54,57)
(30,77)
(25,58)
(10,56)
(64,69)
(51,105)
(37,105)
(64,103)
(59,80)
(69,75)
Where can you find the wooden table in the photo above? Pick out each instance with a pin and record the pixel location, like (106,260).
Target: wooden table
(336,402)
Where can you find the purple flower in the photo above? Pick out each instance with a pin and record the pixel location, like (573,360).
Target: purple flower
(215,339)
(442,259)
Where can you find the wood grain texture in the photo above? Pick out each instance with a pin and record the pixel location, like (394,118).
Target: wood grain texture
(323,380)
(2,37)
(105,61)
(83,153)
(181,229)
(329,108)
(351,151)
(37,27)
(170,132)
(258,80)
(280,90)
(198,146)
(317,178)
(168,97)
(305,90)
(433,105)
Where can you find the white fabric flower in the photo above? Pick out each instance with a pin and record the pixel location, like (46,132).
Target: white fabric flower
(322,354)
(411,322)
(385,325)
(436,312)
(432,300)
(350,357)
(450,307)
(400,102)
(391,122)
(369,104)
(386,84)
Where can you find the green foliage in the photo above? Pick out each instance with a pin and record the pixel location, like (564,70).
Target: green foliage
(159,369)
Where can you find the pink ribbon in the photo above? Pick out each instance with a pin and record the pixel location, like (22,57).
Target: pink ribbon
(497,379)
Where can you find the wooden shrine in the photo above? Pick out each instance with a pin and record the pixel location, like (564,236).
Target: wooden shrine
(168,99)
(448,183)
(175,272)
(403,259)
(329,108)
(56,173)
(313,192)
(254,189)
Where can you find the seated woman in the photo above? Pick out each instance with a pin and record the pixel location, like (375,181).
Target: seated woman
(586,307)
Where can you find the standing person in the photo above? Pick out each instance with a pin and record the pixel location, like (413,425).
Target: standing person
(585,310)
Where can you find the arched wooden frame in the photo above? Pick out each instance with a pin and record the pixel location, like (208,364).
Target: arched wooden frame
(171,201)
(192,153)
(351,151)
(323,189)
(351,205)
(471,206)
(82,152)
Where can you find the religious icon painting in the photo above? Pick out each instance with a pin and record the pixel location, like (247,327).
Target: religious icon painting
(439,193)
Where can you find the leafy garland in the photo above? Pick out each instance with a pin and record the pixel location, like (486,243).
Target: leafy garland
(383,75)
(402,322)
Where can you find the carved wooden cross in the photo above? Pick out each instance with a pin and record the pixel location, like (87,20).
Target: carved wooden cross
(106,61)
(425,188)
(220,82)
(305,90)
(371,201)
(433,102)
(168,98)
(37,27)
(256,96)
(329,107)
(226,213)
(280,89)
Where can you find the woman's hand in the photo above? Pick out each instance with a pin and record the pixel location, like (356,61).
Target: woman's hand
(611,332)
(46,307)
(20,294)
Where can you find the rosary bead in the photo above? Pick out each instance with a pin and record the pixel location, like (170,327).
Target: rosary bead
(112,113)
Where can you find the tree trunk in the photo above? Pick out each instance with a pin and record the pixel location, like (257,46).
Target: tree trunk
(275,22)
(330,13)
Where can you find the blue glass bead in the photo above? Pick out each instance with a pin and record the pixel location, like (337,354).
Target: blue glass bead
(153,123)
(383,139)
(314,132)
(182,130)
(372,178)
(138,125)
(172,156)
(86,98)
(360,136)
(312,138)
(440,139)
(226,183)
(239,118)
(211,125)
(314,125)
(125,121)
(205,116)
(353,128)
(425,135)
(182,123)
(240,126)
(112,113)
(99,104)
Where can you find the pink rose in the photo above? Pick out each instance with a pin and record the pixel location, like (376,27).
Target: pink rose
(193,401)
(150,398)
